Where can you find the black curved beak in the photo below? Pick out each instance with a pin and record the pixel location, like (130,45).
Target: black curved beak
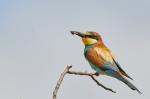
(78,33)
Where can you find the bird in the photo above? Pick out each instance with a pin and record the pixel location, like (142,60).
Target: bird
(101,59)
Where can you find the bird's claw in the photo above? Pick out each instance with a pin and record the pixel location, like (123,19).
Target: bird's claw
(96,73)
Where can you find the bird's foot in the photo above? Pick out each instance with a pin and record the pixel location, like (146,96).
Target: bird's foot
(96,73)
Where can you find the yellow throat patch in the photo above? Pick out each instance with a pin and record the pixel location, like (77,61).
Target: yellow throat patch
(88,41)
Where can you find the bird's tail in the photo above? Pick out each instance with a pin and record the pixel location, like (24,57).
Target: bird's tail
(124,80)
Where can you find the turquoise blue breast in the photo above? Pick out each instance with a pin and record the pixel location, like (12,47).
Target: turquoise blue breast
(87,47)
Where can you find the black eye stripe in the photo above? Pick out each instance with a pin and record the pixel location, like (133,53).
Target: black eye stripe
(91,36)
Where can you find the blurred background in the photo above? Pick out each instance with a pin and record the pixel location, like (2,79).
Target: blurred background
(36,46)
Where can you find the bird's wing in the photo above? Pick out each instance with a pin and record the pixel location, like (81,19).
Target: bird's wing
(101,58)
(110,60)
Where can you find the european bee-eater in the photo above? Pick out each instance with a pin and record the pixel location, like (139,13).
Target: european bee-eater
(101,59)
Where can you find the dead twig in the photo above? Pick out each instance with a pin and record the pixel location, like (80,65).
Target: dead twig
(60,81)
(67,70)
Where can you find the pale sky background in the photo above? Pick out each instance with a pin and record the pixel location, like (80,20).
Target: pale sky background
(36,46)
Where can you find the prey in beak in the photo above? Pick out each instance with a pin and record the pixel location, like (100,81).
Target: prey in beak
(78,33)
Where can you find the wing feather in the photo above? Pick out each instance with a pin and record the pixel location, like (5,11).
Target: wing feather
(101,58)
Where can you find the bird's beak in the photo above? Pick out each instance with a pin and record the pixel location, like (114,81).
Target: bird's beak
(78,33)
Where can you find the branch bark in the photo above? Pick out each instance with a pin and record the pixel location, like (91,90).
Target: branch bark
(68,71)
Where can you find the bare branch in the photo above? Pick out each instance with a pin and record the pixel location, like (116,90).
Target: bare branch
(98,83)
(60,81)
(92,76)
(67,70)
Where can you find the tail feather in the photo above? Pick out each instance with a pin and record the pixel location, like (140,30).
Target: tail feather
(124,80)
